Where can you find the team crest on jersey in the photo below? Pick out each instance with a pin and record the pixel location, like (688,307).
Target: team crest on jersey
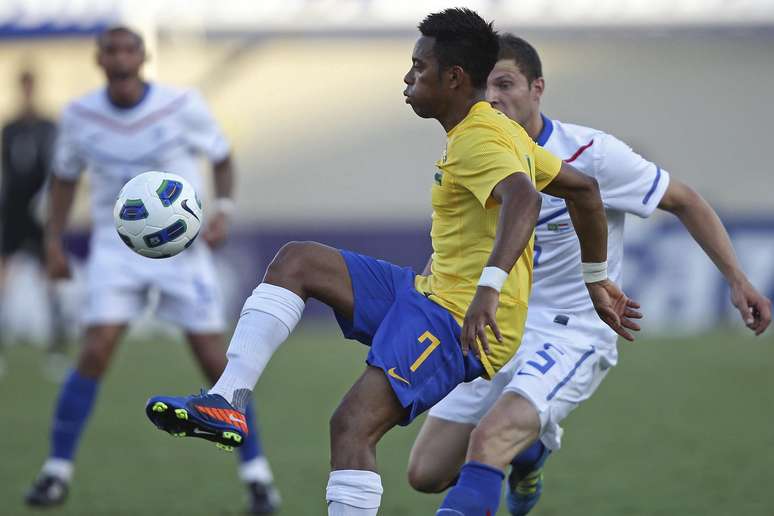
(559,227)
(438,178)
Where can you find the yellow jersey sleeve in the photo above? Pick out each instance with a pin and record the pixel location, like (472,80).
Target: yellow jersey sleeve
(480,158)
(546,167)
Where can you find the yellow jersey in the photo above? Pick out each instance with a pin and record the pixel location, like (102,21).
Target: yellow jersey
(482,150)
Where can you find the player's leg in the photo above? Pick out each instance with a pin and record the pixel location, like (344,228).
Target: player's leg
(299,271)
(506,430)
(438,454)
(365,414)
(254,470)
(440,448)
(76,399)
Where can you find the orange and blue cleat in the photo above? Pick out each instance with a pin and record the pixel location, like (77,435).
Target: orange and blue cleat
(207,416)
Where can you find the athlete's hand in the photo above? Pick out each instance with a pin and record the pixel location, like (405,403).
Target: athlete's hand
(57,264)
(480,314)
(614,307)
(217,229)
(754,308)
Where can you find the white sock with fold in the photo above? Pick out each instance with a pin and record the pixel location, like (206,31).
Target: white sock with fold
(353,492)
(268,317)
(60,468)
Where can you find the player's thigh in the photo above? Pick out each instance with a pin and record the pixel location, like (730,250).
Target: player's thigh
(311,269)
(190,293)
(116,286)
(438,454)
(99,345)
(556,373)
(509,427)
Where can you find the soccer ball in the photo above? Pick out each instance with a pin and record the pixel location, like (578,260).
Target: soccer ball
(157,214)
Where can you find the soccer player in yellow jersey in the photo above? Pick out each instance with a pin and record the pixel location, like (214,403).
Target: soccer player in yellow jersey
(421,330)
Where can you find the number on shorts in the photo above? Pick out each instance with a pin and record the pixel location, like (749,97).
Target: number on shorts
(549,361)
(434,342)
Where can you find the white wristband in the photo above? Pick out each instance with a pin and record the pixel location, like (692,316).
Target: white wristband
(493,277)
(224,205)
(593,272)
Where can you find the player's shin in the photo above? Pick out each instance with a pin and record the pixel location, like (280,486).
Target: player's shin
(268,317)
(353,492)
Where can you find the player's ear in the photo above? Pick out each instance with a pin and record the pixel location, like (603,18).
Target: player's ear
(455,74)
(538,87)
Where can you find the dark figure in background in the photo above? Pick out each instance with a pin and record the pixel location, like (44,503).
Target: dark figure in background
(27,148)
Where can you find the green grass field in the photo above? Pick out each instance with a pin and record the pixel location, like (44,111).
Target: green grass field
(680,427)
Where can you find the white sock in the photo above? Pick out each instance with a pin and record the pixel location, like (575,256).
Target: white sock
(268,317)
(353,492)
(60,468)
(256,470)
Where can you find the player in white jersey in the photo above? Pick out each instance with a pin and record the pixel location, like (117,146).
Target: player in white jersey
(566,350)
(116,133)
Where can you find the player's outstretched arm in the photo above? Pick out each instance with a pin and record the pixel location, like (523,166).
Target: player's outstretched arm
(584,204)
(520,207)
(217,226)
(61,198)
(704,225)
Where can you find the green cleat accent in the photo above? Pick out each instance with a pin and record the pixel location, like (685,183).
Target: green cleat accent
(224,447)
(160,407)
(179,434)
(232,436)
(181,413)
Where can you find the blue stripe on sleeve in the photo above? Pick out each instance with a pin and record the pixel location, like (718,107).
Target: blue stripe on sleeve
(653,186)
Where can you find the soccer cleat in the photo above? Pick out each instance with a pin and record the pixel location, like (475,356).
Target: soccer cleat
(524,494)
(47,491)
(264,498)
(207,416)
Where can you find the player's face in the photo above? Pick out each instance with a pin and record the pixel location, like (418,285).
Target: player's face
(121,56)
(423,82)
(508,90)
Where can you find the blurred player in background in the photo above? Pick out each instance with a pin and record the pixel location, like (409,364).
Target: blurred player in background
(419,328)
(116,133)
(28,144)
(567,351)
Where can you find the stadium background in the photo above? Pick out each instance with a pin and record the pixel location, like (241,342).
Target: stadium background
(309,93)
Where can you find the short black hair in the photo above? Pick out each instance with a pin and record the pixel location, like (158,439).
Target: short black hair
(464,39)
(524,54)
(119,29)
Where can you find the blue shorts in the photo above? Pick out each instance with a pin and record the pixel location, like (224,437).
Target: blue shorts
(414,340)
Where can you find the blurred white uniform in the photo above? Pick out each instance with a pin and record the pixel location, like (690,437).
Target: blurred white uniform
(166,131)
(566,350)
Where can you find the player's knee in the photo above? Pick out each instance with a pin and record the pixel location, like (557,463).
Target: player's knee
(496,440)
(291,262)
(94,359)
(425,478)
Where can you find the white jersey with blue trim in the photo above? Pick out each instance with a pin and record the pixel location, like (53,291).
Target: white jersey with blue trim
(628,184)
(166,130)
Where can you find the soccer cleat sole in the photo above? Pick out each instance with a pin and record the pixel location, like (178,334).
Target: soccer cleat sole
(178,423)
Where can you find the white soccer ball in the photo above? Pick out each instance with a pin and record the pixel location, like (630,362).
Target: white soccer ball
(157,214)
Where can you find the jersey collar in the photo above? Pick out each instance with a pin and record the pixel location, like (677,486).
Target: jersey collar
(145,91)
(545,133)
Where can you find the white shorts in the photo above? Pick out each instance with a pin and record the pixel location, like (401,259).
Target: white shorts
(119,281)
(556,367)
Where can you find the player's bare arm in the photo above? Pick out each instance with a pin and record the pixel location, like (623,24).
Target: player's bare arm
(217,227)
(60,202)
(704,225)
(584,204)
(520,207)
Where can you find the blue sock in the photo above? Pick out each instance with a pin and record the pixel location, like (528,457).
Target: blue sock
(76,398)
(251,448)
(477,492)
(530,459)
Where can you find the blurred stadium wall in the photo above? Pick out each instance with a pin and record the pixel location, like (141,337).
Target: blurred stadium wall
(309,93)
